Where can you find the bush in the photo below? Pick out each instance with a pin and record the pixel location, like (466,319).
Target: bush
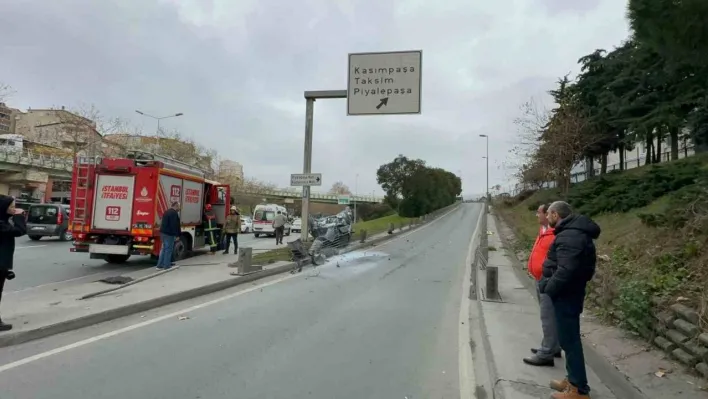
(373,211)
(622,192)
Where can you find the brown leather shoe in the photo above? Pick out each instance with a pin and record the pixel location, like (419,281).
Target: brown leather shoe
(570,393)
(560,385)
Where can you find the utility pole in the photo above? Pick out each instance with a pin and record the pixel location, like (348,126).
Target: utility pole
(158,119)
(487,158)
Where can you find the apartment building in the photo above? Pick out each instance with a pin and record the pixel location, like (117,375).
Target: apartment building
(7,119)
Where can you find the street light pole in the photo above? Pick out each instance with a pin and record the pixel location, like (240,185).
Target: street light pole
(158,119)
(487,158)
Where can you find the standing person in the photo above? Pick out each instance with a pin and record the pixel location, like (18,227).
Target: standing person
(568,267)
(550,348)
(279,226)
(170,230)
(210,229)
(232,226)
(12,225)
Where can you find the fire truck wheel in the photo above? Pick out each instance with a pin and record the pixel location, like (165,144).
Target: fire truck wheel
(117,258)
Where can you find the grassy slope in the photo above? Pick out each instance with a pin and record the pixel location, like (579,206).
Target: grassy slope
(646,263)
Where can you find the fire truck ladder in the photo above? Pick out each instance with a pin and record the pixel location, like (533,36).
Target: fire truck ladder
(80,198)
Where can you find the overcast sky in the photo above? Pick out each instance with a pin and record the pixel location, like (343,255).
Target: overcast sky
(237,69)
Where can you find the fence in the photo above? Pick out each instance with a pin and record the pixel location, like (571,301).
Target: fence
(34,159)
(579,177)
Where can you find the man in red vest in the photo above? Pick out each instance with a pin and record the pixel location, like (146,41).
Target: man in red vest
(550,347)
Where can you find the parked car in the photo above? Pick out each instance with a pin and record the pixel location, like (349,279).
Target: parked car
(48,220)
(296,226)
(246,224)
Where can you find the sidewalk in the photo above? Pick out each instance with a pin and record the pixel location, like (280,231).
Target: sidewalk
(512,326)
(55,308)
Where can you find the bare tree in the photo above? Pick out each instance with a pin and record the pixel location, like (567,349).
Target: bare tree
(339,188)
(80,130)
(5,91)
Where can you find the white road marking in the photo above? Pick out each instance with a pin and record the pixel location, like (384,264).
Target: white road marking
(56,351)
(465,364)
(146,323)
(31,246)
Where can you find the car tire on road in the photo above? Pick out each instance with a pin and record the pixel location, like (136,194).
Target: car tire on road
(66,236)
(35,238)
(256,235)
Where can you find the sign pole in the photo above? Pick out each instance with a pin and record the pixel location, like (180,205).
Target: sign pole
(307,168)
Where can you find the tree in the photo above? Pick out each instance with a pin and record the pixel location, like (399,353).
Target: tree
(416,189)
(677,30)
(5,91)
(391,177)
(339,188)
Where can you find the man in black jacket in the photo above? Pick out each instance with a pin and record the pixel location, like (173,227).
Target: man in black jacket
(568,267)
(170,230)
(12,225)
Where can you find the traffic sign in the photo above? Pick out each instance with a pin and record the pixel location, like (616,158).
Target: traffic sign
(306,179)
(343,200)
(384,83)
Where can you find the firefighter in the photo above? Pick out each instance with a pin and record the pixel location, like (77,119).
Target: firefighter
(210,229)
(232,226)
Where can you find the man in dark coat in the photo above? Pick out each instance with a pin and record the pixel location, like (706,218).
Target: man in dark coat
(12,225)
(569,265)
(170,230)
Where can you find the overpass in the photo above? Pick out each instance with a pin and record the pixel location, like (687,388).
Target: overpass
(25,167)
(316,197)
(22,170)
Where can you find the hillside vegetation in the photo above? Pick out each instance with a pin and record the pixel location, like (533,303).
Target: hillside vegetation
(654,241)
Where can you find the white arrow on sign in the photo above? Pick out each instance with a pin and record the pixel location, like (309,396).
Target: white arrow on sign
(306,179)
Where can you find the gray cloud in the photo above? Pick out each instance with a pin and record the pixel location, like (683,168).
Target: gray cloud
(238,71)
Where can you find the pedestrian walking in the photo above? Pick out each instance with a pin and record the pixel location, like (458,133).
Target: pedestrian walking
(550,348)
(232,226)
(12,225)
(170,230)
(569,265)
(279,226)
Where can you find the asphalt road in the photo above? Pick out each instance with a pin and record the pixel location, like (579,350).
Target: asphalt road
(385,324)
(49,261)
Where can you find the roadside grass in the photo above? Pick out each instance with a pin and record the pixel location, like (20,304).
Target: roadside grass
(654,240)
(380,225)
(272,256)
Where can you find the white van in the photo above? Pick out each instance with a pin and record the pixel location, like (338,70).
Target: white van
(263,217)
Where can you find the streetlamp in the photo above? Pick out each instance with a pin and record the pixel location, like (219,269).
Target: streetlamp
(487,158)
(158,119)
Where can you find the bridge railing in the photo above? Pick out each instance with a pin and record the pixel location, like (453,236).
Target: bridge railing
(30,158)
(295,194)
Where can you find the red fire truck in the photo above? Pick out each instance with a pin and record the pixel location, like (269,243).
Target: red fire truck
(117,205)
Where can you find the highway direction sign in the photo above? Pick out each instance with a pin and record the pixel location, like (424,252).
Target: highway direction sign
(306,179)
(343,200)
(384,83)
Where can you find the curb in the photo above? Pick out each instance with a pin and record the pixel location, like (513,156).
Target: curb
(10,339)
(608,374)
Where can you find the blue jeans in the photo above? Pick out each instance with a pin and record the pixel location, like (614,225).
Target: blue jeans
(168,245)
(568,325)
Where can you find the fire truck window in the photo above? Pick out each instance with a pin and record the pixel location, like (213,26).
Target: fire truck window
(221,195)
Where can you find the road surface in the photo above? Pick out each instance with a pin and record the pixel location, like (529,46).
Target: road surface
(385,324)
(49,261)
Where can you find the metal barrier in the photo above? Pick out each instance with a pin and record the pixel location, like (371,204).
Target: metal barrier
(481,261)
